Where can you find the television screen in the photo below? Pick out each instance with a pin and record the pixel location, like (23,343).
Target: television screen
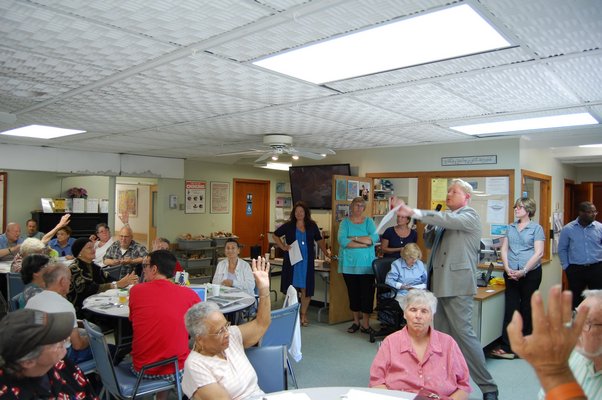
(312,184)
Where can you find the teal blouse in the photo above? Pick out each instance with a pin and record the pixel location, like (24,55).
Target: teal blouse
(356,260)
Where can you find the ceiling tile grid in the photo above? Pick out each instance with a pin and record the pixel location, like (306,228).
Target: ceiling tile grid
(11,103)
(302,28)
(426,102)
(433,70)
(552,27)
(512,89)
(183,21)
(230,78)
(35,91)
(28,28)
(350,111)
(73,120)
(579,73)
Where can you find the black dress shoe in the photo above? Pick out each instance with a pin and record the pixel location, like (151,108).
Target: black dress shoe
(490,395)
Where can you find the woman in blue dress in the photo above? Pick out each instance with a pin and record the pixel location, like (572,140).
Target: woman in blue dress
(301,228)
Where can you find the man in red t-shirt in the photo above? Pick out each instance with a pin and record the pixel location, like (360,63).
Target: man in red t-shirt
(157,309)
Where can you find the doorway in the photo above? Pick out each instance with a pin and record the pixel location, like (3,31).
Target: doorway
(250,216)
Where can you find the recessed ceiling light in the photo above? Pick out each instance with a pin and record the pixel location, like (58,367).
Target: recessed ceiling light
(452,32)
(525,124)
(41,132)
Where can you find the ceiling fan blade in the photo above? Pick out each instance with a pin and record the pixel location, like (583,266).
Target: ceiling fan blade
(308,154)
(315,150)
(238,153)
(263,157)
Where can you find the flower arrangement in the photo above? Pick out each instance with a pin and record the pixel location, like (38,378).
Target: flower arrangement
(77,193)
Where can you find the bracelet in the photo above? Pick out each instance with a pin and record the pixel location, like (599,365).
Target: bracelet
(569,390)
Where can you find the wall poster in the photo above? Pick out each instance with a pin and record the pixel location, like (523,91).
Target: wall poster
(195,197)
(127,202)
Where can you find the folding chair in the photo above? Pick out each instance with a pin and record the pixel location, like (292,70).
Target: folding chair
(119,381)
(269,363)
(281,331)
(14,284)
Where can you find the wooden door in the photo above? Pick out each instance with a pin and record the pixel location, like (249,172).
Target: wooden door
(338,310)
(251,215)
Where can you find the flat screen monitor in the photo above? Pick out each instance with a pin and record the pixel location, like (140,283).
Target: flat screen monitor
(312,184)
(201,292)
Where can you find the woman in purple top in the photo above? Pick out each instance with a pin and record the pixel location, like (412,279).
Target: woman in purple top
(522,249)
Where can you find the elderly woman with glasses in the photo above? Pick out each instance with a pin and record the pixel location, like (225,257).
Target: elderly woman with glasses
(418,358)
(217,367)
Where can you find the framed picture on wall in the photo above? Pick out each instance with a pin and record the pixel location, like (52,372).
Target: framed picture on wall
(220,197)
(127,202)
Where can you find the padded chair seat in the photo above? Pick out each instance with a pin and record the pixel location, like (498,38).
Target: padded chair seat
(127,381)
(87,366)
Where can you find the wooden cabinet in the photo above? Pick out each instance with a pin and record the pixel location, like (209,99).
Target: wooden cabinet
(83,225)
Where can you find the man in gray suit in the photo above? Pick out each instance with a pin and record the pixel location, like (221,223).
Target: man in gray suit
(454,238)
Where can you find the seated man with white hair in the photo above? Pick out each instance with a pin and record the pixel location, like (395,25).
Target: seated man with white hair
(127,254)
(10,241)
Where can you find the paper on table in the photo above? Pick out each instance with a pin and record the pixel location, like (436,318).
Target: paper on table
(387,218)
(355,394)
(294,253)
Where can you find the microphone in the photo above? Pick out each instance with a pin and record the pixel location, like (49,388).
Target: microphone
(438,208)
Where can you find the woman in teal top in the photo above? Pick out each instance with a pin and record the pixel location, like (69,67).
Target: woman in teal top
(357,235)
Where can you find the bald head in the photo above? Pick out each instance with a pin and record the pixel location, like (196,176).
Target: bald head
(590,341)
(13,231)
(125,237)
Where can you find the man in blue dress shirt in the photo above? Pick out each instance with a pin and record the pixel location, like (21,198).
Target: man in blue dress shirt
(580,251)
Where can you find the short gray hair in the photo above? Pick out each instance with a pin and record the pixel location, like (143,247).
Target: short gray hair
(32,246)
(196,317)
(465,186)
(419,296)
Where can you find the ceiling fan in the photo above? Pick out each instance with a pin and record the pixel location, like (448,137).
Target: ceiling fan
(276,145)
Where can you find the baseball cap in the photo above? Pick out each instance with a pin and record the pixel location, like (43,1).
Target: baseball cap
(23,330)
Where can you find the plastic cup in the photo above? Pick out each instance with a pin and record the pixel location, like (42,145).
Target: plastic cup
(123,296)
(215,289)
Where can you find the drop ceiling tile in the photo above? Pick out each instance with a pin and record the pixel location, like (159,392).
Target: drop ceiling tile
(182,22)
(142,89)
(422,102)
(512,89)
(31,67)
(27,27)
(350,111)
(578,73)
(552,27)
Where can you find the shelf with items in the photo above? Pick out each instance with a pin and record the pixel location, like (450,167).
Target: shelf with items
(197,257)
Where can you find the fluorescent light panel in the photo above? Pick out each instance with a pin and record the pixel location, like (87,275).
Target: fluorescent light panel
(277,166)
(41,132)
(526,124)
(591,145)
(452,32)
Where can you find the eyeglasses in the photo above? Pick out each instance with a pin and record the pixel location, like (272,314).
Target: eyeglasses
(59,345)
(146,264)
(222,331)
(590,212)
(588,326)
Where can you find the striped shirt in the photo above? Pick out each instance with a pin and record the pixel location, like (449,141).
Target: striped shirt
(583,369)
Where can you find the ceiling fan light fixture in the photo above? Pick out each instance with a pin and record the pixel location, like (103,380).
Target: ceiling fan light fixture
(275,157)
(295,156)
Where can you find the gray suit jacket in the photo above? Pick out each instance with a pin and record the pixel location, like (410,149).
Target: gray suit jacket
(454,263)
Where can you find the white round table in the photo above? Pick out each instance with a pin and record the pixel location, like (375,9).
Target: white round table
(342,393)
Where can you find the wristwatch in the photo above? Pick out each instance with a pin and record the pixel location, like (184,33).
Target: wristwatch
(114,285)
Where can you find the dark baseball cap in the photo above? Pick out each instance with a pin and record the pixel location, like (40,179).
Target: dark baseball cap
(23,330)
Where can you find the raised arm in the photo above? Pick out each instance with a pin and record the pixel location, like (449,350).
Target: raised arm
(65,219)
(253,331)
